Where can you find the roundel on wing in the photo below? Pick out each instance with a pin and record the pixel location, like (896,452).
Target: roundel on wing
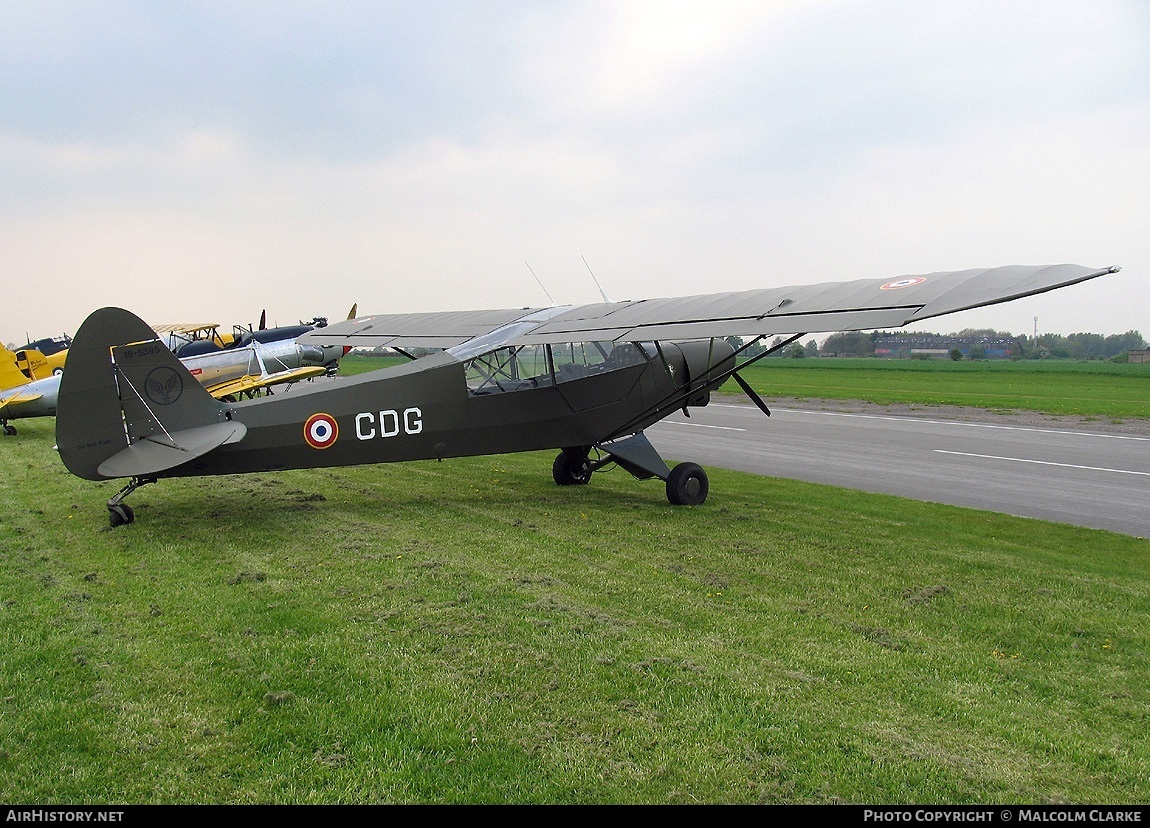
(320,431)
(901,283)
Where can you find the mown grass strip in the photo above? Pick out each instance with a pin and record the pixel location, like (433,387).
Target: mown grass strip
(468,632)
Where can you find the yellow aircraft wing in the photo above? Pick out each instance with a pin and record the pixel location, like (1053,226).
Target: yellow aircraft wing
(189,328)
(196,331)
(248,385)
(19,397)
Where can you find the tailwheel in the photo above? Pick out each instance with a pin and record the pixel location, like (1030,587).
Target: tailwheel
(572,467)
(687,485)
(121,514)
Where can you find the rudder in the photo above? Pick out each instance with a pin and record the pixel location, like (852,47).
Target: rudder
(127,404)
(10,374)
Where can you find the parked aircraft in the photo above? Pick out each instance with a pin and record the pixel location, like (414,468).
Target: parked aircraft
(27,387)
(586,380)
(54,349)
(235,372)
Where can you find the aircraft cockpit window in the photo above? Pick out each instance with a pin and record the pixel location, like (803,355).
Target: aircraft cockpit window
(518,368)
(508,369)
(580,359)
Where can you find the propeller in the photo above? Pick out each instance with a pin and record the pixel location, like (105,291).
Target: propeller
(750,392)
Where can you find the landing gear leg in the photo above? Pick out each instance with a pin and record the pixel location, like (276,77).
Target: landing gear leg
(687,483)
(119,512)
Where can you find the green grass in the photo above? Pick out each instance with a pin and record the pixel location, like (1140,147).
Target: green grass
(468,632)
(1097,389)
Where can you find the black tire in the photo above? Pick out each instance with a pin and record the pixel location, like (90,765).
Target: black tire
(687,485)
(120,515)
(10,430)
(571,469)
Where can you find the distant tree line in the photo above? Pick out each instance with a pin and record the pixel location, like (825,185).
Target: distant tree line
(969,343)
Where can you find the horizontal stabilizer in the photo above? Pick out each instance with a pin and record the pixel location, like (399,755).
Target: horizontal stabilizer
(156,453)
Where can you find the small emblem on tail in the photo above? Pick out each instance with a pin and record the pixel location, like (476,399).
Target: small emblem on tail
(163,385)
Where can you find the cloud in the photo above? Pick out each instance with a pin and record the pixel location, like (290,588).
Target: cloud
(215,159)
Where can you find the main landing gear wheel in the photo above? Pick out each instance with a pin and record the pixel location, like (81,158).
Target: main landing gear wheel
(571,468)
(10,430)
(687,485)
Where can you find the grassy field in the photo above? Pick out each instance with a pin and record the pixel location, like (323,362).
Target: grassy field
(1097,389)
(468,632)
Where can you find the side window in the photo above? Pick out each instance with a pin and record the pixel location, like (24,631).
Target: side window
(508,369)
(524,367)
(580,359)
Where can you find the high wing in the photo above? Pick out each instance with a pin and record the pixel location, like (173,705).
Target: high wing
(191,329)
(864,304)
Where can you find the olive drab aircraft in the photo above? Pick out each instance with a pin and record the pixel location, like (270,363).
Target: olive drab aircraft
(584,380)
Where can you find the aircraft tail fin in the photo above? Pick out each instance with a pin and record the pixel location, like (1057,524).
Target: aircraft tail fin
(128,407)
(33,363)
(10,374)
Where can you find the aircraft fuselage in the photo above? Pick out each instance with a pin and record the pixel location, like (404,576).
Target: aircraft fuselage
(426,410)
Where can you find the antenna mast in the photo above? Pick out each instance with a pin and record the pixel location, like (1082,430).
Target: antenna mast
(602,293)
(540,283)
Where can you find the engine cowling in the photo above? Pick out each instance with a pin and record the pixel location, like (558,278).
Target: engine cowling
(700,366)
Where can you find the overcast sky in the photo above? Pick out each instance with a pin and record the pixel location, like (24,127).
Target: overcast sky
(204,161)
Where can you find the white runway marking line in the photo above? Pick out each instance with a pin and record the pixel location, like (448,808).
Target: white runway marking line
(1041,462)
(701,425)
(954,423)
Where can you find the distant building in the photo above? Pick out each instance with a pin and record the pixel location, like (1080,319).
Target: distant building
(936,346)
(1139,355)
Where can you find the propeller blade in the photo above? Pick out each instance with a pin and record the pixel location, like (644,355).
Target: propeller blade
(750,392)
